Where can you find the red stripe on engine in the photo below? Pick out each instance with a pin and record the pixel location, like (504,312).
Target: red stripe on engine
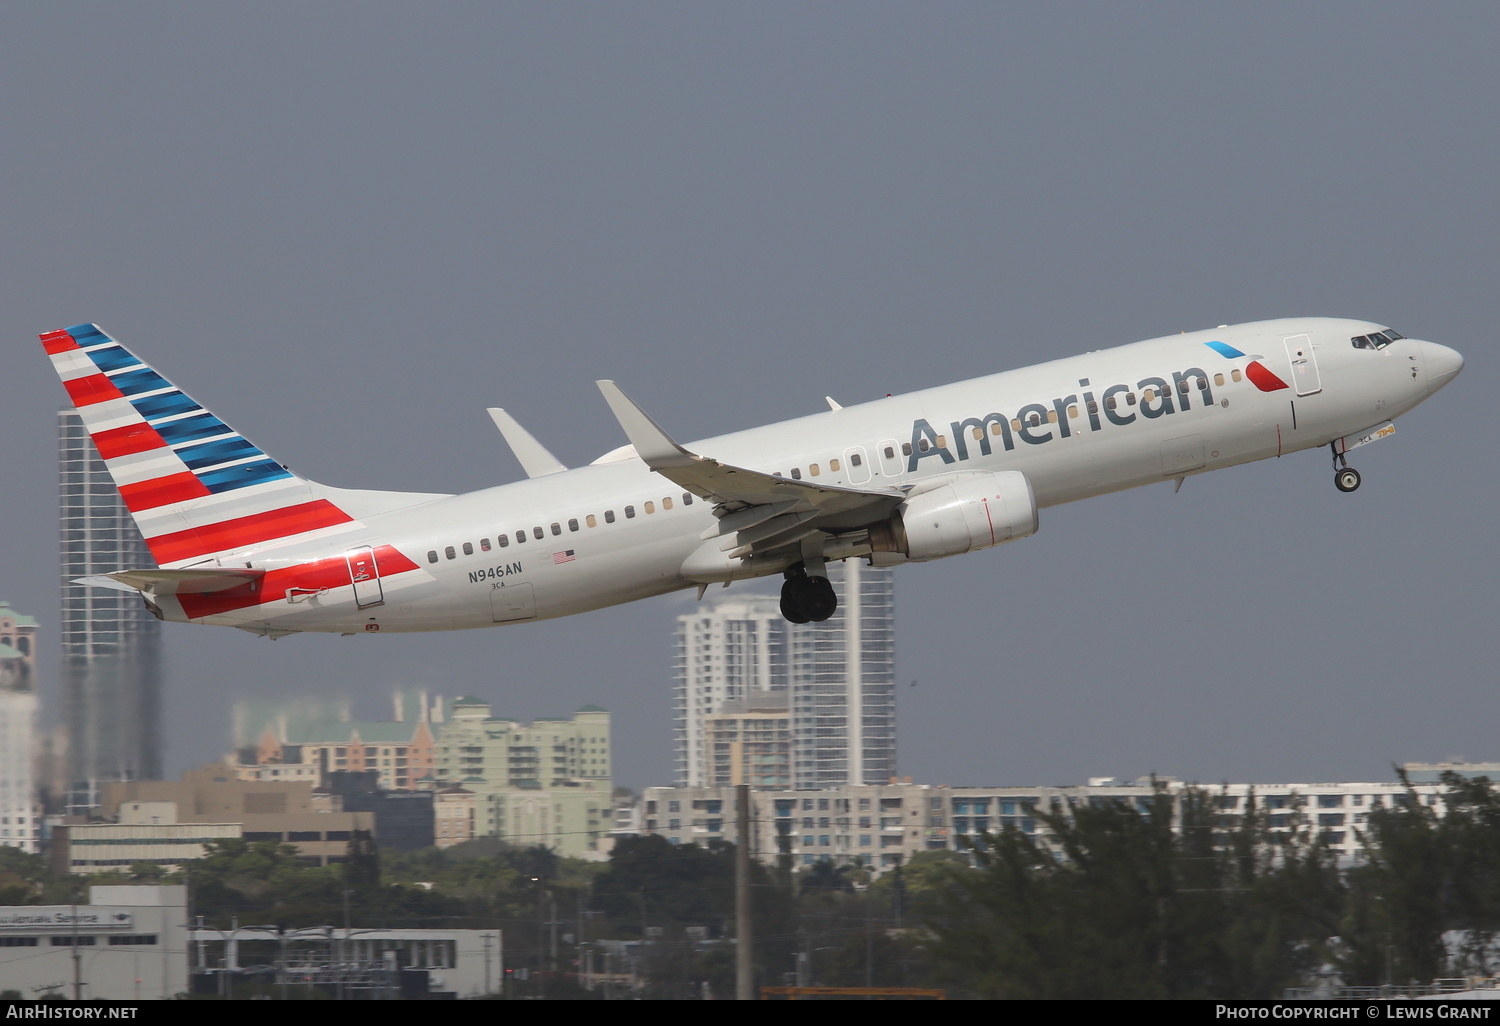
(250,530)
(95,388)
(162,491)
(124,441)
(57,342)
(323,574)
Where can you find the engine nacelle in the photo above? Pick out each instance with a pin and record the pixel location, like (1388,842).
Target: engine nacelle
(954,516)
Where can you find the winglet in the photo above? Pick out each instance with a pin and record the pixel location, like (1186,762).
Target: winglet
(531,454)
(653,444)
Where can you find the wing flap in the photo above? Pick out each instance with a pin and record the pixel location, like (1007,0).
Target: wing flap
(737,489)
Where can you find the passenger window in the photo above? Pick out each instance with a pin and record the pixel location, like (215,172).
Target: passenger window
(812,468)
(1182,386)
(1219,380)
(504,540)
(796,473)
(978,434)
(666,503)
(1051,416)
(556,529)
(1129,398)
(906,448)
(687,498)
(855,461)
(1015,423)
(942,441)
(449,552)
(609,516)
(1035,419)
(432,555)
(650,506)
(484,543)
(1148,394)
(629,512)
(468,548)
(1109,403)
(996,429)
(1072,413)
(1093,406)
(573,524)
(1202,384)
(1235,374)
(520,537)
(833,465)
(536,532)
(591,520)
(890,453)
(924,445)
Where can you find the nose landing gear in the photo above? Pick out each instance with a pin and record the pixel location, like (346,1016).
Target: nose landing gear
(1345,477)
(806,598)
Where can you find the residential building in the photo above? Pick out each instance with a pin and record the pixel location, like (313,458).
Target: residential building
(546,782)
(880,826)
(308,738)
(19,812)
(838,677)
(111,644)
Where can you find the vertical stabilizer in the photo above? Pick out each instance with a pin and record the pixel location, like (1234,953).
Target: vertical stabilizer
(196,487)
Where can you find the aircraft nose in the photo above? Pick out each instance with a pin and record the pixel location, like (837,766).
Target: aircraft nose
(1443,364)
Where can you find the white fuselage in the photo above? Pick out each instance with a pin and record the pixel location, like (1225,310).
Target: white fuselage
(616,531)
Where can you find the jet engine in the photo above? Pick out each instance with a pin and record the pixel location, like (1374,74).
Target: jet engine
(954,515)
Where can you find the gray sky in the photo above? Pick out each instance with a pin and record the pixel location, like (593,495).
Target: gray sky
(348,228)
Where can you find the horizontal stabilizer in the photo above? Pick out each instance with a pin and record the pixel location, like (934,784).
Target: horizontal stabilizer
(531,454)
(197,581)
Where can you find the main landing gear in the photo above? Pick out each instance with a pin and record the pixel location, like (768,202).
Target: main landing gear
(1345,477)
(806,598)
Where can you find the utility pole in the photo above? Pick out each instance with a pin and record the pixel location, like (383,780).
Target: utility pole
(744,963)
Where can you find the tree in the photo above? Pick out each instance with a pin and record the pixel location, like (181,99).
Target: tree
(1166,897)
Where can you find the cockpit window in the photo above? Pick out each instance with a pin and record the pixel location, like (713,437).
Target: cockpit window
(1376,339)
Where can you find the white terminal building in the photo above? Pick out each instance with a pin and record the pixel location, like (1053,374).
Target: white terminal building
(130,943)
(883,825)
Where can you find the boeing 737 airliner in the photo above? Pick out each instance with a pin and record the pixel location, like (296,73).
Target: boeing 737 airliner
(242,541)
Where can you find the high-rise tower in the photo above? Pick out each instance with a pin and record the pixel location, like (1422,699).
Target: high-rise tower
(18,804)
(836,681)
(111,644)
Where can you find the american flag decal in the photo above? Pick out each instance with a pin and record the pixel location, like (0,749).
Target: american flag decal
(562,557)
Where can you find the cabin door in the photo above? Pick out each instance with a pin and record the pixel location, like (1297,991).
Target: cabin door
(364,574)
(1299,351)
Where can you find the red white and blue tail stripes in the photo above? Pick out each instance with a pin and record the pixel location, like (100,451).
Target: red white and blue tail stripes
(195,486)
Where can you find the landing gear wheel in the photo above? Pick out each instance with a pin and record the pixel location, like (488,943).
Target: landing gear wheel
(791,605)
(1346,479)
(807,599)
(818,599)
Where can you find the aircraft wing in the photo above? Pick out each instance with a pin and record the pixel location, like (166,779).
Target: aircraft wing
(765,512)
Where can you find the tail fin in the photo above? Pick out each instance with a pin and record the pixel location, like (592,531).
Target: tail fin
(196,487)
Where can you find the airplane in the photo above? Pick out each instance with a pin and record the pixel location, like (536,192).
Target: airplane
(240,540)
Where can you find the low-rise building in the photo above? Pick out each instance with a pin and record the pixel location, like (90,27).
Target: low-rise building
(130,942)
(881,826)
